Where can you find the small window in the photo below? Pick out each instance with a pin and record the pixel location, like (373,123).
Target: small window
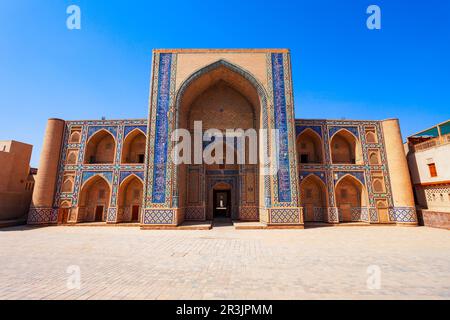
(141,158)
(304,158)
(92,159)
(344,193)
(432,168)
(442,197)
(303,145)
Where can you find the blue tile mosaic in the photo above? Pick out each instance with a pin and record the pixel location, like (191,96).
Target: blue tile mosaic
(94,129)
(333,129)
(300,129)
(126,174)
(280,117)
(162,129)
(128,129)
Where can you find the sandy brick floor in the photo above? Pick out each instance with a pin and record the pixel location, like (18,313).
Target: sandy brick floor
(223,263)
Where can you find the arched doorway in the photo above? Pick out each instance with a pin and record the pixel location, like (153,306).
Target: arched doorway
(313,198)
(309,147)
(130,199)
(133,150)
(350,197)
(222,203)
(94,200)
(345,148)
(100,148)
(221,96)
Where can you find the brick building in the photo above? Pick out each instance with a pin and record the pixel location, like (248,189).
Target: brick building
(122,171)
(428,159)
(16,181)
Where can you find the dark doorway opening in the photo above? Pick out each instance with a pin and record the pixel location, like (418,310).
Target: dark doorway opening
(99,214)
(304,158)
(135,214)
(63,215)
(222,203)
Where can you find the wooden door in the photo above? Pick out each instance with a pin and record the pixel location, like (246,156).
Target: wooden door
(135,213)
(309,212)
(99,213)
(346,210)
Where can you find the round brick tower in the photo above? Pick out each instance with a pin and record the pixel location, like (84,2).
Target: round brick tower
(402,193)
(41,210)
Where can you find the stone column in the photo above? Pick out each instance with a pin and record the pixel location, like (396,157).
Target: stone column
(41,209)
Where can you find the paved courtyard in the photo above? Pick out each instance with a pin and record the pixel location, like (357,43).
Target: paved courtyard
(223,263)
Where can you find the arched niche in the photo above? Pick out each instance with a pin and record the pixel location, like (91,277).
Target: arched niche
(309,147)
(313,198)
(350,195)
(94,199)
(345,148)
(133,150)
(222,96)
(100,148)
(130,199)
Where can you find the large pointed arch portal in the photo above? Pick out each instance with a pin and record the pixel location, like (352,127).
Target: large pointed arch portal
(252,90)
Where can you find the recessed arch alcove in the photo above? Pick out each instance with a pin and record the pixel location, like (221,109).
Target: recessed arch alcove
(100,148)
(313,198)
(222,96)
(94,199)
(345,148)
(309,147)
(350,195)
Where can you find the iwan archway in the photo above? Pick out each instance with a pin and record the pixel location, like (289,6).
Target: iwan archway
(221,95)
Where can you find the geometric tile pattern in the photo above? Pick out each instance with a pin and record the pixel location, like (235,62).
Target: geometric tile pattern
(333,215)
(373,215)
(299,129)
(161,130)
(402,214)
(158,216)
(279,102)
(194,213)
(360,214)
(284,216)
(248,213)
(40,215)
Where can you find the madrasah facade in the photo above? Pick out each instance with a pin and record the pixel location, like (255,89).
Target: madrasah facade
(122,171)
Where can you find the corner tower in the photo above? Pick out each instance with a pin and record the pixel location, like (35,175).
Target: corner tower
(41,209)
(403,211)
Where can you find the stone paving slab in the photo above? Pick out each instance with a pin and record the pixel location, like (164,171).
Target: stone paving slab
(224,263)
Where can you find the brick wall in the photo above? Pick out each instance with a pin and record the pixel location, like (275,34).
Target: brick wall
(434,219)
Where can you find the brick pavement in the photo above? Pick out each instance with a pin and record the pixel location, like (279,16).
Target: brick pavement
(224,263)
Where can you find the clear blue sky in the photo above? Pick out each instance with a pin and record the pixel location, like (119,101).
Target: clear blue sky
(340,68)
